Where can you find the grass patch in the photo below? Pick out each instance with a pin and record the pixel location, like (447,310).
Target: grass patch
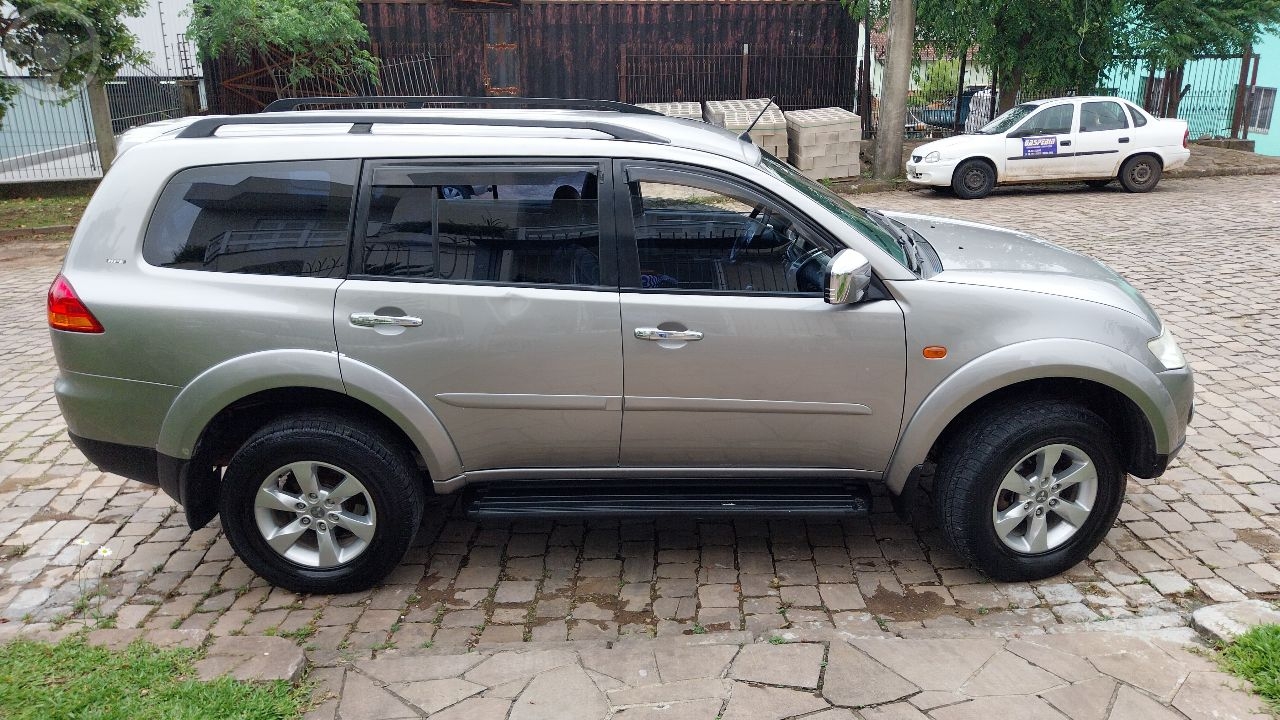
(1255,656)
(76,680)
(19,213)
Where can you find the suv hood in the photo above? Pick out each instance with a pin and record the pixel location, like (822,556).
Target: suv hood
(976,254)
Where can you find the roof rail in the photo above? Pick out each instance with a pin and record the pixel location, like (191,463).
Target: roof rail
(421,101)
(360,123)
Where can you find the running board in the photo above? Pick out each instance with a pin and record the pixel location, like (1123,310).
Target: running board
(544,498)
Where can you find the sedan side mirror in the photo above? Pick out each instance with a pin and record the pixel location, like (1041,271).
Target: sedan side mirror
(847,279)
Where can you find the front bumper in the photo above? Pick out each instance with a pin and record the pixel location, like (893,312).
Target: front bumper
(934,174)
(1181,385)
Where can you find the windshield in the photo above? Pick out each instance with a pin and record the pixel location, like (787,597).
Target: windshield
(852,216)
(1005,122)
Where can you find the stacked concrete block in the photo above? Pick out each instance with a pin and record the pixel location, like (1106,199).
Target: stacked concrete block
(825,142)
(687,110)
(770,133)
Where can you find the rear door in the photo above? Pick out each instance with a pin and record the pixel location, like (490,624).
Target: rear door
(497,306)
(1043,146)
(1105,135)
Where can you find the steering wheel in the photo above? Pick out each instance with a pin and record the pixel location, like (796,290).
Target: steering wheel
(755,226)
(806,269)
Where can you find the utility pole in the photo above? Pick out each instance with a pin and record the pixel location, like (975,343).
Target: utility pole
(893,91)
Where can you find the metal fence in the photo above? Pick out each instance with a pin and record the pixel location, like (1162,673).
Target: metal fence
(794,80)
(48,134)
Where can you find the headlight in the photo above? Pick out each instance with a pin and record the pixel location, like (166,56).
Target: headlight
(933,157)
(1166,350)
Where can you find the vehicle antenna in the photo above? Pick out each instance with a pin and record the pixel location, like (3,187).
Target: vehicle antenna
(746,134)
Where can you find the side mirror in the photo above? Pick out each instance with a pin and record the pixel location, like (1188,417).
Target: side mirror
(847,279)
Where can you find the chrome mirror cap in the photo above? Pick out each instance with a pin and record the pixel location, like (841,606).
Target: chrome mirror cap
(848,277)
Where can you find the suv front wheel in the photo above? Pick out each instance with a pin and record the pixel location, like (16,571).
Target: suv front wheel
(317,504)
(1027,492)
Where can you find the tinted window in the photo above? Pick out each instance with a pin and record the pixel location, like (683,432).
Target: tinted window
(1051,121)
(263,218)
(694,238)
(1099,116)
(1138,118)
(537,226)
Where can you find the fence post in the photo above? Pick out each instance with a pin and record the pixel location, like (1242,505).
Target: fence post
(1248,105)
(743,92)
(100,112)
(189,96)
(864,102)
(622,73)
(1237,115)
(955,119)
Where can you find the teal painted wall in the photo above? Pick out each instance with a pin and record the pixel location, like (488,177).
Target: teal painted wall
(1268,50)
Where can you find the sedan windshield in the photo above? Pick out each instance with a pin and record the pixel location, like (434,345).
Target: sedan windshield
(853,216)
(1005,122)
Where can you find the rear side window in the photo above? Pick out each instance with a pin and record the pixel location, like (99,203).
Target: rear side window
(499,225)
(281,218)
(1100,116)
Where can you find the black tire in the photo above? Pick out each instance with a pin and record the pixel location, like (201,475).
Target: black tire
(973,179)
(1098,184)
(1140,173)
(976,461)
(394,490)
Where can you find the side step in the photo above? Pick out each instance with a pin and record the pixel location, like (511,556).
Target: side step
(666,497)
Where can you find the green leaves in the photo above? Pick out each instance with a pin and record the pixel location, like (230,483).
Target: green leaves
(304,38)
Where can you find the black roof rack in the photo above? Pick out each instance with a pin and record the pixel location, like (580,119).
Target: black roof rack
(360,123)
(421,101)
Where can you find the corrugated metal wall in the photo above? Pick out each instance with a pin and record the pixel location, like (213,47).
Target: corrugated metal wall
(574,48)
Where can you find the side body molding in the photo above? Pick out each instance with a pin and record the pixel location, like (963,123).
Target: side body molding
(1031,360)
(219,386)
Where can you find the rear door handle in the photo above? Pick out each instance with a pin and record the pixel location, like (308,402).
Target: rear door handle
(659,335)
(372,320)
(1124,140)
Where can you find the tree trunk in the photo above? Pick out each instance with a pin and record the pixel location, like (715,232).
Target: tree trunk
(100,112)
(1010,86)
(893,93)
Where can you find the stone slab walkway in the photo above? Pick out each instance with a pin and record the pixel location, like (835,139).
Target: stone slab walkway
(1160,675)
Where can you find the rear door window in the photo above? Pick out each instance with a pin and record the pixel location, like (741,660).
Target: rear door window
(508,225)
(280,218)
(1101,116)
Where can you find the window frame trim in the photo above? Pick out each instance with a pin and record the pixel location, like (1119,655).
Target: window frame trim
(608,241)
(629,251)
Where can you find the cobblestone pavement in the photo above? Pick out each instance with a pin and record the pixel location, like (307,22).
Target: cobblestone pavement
(81,547)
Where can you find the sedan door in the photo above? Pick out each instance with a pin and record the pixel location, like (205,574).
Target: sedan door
(497,307)
(1043,146)
(733,360)
(1105,135)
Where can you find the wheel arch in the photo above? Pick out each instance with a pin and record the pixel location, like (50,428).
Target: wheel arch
(1109,382)
(226,404)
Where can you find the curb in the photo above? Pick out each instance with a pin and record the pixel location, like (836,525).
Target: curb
(11,233)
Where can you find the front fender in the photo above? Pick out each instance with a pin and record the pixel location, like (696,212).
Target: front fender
(1031,360)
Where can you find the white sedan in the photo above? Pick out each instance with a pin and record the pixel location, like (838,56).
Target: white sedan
(1095,139)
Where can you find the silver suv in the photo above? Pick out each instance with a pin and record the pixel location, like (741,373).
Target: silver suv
(292,319)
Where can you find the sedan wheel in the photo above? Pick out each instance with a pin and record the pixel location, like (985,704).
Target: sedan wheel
(1140,173)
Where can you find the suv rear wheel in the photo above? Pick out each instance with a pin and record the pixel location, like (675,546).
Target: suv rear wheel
(1027,492)
(316,504)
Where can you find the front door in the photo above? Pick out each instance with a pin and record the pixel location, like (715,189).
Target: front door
(733,360)
(1043,146)
(488,291)
(1104,136)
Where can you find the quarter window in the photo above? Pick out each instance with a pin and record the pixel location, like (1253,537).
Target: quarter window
(1139,120)
(515,225)
(1100,116)
(697,238)
(262,218)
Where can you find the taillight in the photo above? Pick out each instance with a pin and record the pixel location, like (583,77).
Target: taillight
(66,312)
(1186,138)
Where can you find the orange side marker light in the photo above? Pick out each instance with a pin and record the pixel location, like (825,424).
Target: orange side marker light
(935,352)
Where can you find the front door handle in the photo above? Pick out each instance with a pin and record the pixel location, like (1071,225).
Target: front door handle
(659,335)
(372,320)
(1124,140)
(1065,143)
